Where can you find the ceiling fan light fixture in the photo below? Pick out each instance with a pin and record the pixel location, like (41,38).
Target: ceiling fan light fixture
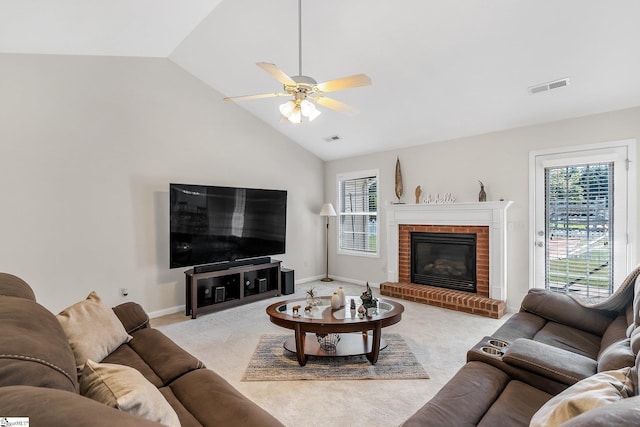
(305,90)
(295,116)
(287,108)
(309,110)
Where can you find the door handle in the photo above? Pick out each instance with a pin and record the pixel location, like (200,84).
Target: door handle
(540,245)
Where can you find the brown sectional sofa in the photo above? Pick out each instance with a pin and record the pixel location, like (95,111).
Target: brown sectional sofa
(554,346)
(38,376)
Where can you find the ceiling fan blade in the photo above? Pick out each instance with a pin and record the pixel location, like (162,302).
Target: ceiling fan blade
(247,97)
(345,83)
(277,73)
(335,105)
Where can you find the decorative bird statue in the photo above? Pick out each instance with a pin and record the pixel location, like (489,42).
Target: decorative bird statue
(482,197)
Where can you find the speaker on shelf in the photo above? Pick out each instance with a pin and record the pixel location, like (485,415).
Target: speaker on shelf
(286,281)
(261,283)
(204,293)
(219,294)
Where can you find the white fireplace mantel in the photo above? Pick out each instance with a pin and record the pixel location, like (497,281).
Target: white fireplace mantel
(491,214)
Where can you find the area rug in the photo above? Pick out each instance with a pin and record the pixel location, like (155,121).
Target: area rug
(271,362)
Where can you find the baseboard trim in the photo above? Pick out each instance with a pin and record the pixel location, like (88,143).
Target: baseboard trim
(165,311)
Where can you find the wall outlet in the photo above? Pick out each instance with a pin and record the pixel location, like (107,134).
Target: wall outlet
(124,292)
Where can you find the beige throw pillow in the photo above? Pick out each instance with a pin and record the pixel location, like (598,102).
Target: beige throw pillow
(125,388)
(590,393)
(93,330)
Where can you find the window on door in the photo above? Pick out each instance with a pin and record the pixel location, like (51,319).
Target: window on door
(580,218)
(358,213)
(579,225)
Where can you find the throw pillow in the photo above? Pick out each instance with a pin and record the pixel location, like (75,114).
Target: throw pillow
(93,330)
(590,393)
(125,388)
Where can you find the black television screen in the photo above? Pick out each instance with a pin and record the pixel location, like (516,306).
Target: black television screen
(211,224)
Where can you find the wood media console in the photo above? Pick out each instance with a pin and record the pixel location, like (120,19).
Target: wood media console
(229,285)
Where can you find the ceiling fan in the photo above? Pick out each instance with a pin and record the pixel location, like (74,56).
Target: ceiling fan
(304,90)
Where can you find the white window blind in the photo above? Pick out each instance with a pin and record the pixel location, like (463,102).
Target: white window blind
(579,229)
(358,212)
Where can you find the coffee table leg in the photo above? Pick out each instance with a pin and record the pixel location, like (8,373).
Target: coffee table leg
(300,341)
(375,345)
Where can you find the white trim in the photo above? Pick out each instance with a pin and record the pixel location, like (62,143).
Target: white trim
(342,176)
(166,311)
(491,214)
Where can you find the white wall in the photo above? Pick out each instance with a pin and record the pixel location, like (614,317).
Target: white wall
(88,147)
(499,159)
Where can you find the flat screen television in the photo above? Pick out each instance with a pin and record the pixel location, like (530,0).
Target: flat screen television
(210,224)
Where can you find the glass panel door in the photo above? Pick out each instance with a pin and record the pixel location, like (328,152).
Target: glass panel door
(579,229)
(582,218)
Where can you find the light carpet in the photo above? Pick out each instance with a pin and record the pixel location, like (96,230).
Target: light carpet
(271,362)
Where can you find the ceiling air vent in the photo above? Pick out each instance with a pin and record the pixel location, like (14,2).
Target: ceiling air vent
(332,138)
(549,86)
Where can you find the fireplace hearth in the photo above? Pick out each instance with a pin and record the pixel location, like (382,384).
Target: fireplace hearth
(446,260)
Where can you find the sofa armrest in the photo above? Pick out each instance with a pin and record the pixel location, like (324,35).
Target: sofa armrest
(132,316)
(552,362)
(563,309)
(478,354)
(52,407)
(464,400)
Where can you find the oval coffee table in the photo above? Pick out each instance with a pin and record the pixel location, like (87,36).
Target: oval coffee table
(323,320)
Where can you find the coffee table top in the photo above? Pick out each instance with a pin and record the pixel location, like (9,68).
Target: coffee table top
(322,318)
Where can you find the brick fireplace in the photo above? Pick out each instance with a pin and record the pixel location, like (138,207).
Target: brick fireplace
(487,221)
(481,259)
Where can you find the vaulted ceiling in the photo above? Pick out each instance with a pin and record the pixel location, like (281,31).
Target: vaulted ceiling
(441,69)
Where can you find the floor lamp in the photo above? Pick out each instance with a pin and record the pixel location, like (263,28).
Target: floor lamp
(328,211)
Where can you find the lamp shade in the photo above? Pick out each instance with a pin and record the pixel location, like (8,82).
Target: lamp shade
(327,210)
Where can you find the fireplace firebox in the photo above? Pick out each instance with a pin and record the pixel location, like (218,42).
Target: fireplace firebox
(446,260)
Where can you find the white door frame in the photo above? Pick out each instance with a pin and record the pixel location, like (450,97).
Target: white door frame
(628,218)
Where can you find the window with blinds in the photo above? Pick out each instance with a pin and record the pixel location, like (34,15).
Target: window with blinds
(579,229)
(358,213)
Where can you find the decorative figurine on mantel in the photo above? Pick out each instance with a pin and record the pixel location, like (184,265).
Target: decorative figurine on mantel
(399,187)
(418,194)
(482,197)
(367,298)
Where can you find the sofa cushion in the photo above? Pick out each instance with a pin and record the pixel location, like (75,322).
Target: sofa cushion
(50,407)
(617,331)
(222,404)
(590,393)
(616,356)
(126,389)
(515,406)
(33,347)
(520,325)
(93,330)
(125,355)
(570,339)
(156,356)
(464,400)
